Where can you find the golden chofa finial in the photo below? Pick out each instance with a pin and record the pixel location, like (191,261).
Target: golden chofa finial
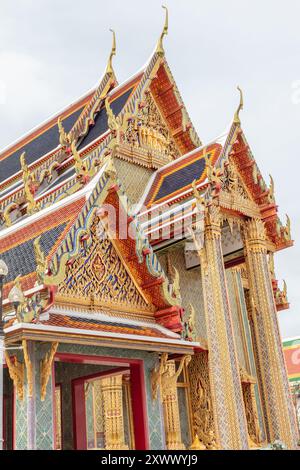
(236,119)
(28,181)
(160,47)
(109,67)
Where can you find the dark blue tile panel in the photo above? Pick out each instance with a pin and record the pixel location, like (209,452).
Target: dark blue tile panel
(38,147)
(181,178)
(100,125)
(21,260)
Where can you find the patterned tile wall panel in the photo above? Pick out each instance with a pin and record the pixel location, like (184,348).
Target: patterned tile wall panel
(134,178)
(43,409)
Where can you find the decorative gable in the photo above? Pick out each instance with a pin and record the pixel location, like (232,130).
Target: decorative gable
(99,276)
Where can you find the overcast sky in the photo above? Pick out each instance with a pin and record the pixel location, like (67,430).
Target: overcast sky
(52,51)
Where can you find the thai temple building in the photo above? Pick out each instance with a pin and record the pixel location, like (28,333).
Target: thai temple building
(291,349)
(141,303)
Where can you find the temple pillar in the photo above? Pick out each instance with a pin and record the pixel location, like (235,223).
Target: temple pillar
(34,424)
(170,407)
(227,398)
(113,413)
(278,409)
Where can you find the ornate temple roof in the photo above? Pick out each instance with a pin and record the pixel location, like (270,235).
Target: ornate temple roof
(68,175)
(16,243)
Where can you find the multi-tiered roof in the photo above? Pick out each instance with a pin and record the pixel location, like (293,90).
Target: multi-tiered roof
(55,180)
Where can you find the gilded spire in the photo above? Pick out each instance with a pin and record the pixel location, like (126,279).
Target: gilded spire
(109,68)
(159,47)
(111,118)
(271,195)
(236,119)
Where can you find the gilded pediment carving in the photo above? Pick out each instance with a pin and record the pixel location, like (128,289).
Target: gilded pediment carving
(148,131)
(234,194)
(99,274)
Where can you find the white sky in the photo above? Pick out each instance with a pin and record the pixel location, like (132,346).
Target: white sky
(52,51)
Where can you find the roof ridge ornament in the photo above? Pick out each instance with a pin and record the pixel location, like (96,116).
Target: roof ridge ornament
(109,67)
(40,259)
(159,48)
(28,181)
(236,119)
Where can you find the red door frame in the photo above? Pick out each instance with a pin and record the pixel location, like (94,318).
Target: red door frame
(138,393)
(4,415)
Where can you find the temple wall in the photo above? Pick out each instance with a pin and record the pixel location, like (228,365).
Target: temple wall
(190,285)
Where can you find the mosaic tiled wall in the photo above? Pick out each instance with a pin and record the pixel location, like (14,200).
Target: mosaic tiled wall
(34,423)
(134,178)
(190,285)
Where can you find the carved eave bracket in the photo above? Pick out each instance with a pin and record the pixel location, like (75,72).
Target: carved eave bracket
(16,373)
(46,369)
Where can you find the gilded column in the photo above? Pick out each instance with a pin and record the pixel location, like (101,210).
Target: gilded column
(113,413)
(226,390)
(278,409)
(170,407)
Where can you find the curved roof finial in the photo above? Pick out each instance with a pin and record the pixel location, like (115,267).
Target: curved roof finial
(109,67)
(236,119)
(159,47)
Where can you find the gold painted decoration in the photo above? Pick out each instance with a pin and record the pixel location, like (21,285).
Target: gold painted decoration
(5,215)
(29,186)
(111,388)
(197,444)
(100,273)
(201,399)
(109,67)
(46,369)
(169,399)
(79,164)
(16,373)
(159,48)
(189,324)
(271,194)
(156,374)
(29,370)
(236,119)
(287,229)
(147,131)
(40,259)
(64,138)
(279,421)
(254,433)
